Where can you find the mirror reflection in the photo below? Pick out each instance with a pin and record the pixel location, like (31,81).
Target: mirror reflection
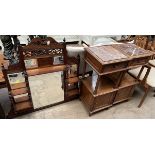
(50,89)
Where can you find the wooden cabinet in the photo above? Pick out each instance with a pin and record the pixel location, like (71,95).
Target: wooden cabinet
(112,83)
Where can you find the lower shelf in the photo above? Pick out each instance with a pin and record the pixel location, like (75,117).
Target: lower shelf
(23,106)
(73,80)
(19,91)
(21,98)
(18,85)
(45,70)
(72,92)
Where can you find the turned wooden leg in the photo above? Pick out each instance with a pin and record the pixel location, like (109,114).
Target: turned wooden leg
(145,94)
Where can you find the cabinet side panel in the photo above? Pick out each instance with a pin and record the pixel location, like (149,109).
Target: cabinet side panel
(86,97)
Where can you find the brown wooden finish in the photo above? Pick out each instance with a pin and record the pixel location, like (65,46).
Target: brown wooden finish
(21,99)
(71,85)
(44,52)
(106,95)
(45,70)
(116,57)
(19,91)
(143,83)
(45,61)
(116,78)
(112,84)
(2,81)
(72,92)
(124,94)
(1,78)
(18,85)
(18,88)
(73,80)
(39,51)
(105,85)
(22,106)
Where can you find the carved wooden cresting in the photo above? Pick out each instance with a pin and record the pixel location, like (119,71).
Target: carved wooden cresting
(43,48)
(42,51)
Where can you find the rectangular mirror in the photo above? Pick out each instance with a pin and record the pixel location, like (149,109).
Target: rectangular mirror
(46,89)
(58,60)
(16,78)
(31,63)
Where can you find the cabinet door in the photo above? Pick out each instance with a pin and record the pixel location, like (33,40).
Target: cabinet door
(104,100)
(124,94)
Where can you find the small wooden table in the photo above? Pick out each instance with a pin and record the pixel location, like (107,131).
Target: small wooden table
(111,84)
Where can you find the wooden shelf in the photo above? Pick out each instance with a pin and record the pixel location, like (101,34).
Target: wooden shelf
(73,80)
(37,57)
(45,70)
(18,85)
(106,85)
(72,75)
(128,80)
(23,106)
(21,99)
(73,92)
(20,91)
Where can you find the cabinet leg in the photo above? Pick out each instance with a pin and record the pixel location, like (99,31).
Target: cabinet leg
(90,114)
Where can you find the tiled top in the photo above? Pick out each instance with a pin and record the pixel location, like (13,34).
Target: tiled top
(106,53)
(130,49)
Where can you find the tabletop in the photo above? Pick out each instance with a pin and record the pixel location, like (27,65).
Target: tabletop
(117,52)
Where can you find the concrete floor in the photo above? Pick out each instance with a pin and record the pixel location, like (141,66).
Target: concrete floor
(75,110)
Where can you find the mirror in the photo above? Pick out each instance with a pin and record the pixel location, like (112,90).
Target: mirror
(58,60)
(72,71)
(16,78)
(46,89)
(31,63)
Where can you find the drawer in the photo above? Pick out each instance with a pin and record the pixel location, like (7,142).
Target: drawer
(139,61)
(115,67)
